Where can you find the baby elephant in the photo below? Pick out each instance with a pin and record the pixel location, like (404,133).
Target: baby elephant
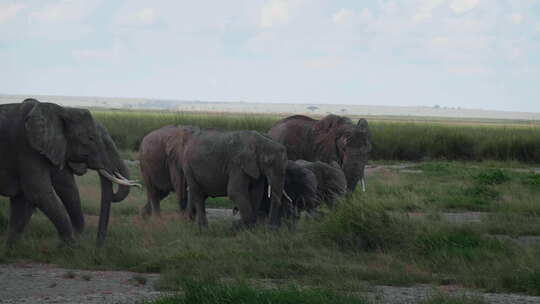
(309,184)
(300,193)
(331,181)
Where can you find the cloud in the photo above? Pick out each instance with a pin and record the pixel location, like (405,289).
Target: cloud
(424,12)
(463,6)
(516,18)
(9,10)
(465,69)
(277,12)
(440,42)
(64,11)
(323,63)
(538,27)
(142,17)
(343,16)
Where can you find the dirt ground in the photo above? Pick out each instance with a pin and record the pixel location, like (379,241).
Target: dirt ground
(41,283)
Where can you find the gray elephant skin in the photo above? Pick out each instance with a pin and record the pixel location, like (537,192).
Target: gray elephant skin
(160,156)
(301,189)
(331,181)
(41,146)
(333,138)
(237,164)
(309,184)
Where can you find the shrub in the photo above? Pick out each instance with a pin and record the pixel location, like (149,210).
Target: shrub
(492,177)
(358,225)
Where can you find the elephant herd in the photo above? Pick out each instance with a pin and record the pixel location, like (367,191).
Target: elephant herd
(300,163)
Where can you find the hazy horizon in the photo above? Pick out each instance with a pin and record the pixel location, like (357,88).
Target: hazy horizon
(474,54)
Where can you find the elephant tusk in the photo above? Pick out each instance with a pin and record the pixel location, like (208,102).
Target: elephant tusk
(269,190)
(363,185)
(117,180)
(120,176)
(287,196)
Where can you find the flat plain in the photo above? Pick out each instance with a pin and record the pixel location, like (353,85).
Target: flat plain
(450,204)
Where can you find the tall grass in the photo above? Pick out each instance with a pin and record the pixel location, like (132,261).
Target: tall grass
(127,128)
(409,141)
(418,141)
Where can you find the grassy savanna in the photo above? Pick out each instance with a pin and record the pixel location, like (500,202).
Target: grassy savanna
(369,239)
(412,140)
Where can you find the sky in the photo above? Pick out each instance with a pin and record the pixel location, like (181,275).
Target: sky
(454,53)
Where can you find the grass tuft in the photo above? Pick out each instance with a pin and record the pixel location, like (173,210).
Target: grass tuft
(492,177)
(359,225)
(208,292)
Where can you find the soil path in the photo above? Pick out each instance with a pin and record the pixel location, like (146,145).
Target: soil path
(40,283)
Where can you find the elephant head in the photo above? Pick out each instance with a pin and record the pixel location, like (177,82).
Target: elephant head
(349,143)
(271,162)
(299,192)
(301,187)
(331,182)
(70,136)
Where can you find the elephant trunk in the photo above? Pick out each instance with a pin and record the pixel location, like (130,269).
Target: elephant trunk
(276,183)
(353,168)
(115,168)
(104,213)
(123,190)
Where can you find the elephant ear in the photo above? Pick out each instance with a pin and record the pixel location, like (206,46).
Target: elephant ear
(45,132)
(248,162)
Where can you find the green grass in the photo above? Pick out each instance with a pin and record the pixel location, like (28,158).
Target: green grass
(127,128)
(392,140)
(368,238)
(240,293)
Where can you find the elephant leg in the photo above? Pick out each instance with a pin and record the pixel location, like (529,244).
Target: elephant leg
(238,192)
(180,188)
(198,200)
(20,212)
(153,205)
(49,203)
(66,188)
(178,181)
(256,196)
(38,190)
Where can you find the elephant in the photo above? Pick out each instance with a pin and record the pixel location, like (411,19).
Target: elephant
(160,156)
(41,146)
(333,138)
(237,164)
(308,184)
(300,193)
(331,181)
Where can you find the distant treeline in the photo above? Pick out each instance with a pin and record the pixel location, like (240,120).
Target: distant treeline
(408,141)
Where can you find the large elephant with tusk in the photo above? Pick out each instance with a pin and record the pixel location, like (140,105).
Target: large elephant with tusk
(42,145)
(237,164)
(333,138)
